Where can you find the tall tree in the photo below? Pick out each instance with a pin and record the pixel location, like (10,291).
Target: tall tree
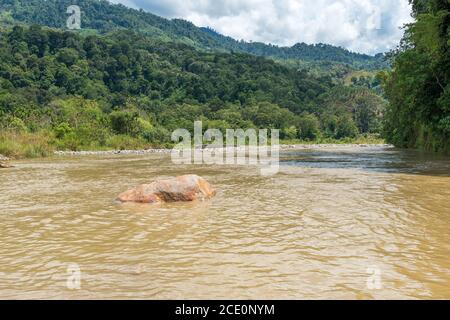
(418,86)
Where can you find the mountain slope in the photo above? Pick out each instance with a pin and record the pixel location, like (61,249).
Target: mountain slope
(70,91)
(102,16)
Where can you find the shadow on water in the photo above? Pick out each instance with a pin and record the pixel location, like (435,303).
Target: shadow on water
(388,160)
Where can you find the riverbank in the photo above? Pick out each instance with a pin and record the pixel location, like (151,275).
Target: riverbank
(286,147)
(25,145)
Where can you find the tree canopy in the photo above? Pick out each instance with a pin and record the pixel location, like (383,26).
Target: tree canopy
(418,87)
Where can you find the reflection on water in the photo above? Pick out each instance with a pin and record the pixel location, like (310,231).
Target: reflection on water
(312,231)
(374,159)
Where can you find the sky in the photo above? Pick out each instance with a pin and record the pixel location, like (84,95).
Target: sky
(366,26)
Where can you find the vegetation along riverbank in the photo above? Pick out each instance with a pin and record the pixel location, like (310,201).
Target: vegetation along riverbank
(118,88)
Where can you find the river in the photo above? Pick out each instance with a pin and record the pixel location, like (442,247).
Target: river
(351,223)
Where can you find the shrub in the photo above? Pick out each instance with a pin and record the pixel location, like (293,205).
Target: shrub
(308,127)
(124,142)
(25,145)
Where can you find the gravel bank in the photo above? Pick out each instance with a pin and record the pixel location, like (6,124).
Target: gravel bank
(111,152)
(333,146)
(168,151)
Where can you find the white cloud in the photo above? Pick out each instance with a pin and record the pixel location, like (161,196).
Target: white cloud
(368,26)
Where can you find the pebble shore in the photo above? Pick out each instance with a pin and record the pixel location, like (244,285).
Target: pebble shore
(112,152)
(168,151)
(333,146)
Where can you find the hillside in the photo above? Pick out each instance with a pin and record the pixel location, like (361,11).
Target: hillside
(71,91)
(103,17)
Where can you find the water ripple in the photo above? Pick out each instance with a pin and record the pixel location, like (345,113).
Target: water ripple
(310,232)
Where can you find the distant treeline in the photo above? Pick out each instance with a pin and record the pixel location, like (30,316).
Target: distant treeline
(103,17)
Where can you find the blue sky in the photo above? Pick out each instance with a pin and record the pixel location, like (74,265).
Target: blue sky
(367,26)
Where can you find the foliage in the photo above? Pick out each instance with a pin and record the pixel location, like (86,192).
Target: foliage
(418,87)
(105,17)
(25,145)
(128,90)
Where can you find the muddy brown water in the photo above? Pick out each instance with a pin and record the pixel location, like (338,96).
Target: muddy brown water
(369,223)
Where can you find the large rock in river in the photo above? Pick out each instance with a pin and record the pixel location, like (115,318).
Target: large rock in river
(180,189)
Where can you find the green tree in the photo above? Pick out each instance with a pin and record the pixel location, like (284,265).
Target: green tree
(308,127)
(125,121)
(419,83)
(346,128)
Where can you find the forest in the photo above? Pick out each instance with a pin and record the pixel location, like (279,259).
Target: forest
(101,16)
(418,86)
(128,78)
(70,91)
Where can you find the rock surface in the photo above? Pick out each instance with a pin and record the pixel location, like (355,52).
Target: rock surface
(4,165)
(181,189)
